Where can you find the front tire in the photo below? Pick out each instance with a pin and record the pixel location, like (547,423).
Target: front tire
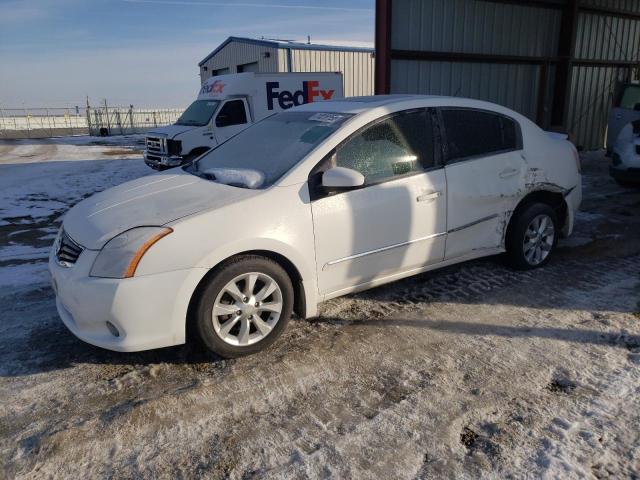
(532,236)
(244,307)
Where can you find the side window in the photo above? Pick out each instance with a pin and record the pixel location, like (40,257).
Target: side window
(231,113)
(471,133)
(397,146)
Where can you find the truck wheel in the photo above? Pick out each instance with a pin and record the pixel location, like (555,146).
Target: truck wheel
(531,237)
(244,307)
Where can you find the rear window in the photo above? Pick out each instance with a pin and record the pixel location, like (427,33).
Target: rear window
(472,133)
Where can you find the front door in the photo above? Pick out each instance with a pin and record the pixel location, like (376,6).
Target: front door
(397,221)
(485,171)
(232,117)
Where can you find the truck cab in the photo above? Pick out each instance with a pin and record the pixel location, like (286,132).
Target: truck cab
(226,105)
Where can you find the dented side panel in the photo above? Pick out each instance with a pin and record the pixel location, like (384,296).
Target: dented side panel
(480,192)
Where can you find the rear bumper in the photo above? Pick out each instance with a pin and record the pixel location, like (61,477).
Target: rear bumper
(625,175)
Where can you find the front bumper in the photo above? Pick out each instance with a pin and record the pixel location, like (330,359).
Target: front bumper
(156,160)
(625,175)
(148,311)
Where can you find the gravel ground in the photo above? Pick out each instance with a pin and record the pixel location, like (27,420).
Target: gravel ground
(470,371)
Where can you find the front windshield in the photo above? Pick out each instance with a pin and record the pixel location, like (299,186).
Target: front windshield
(268,149)
(198,114)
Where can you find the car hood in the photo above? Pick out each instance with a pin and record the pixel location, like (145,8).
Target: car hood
(171,131)
(148,201)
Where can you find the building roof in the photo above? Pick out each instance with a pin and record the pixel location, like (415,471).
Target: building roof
(285,44)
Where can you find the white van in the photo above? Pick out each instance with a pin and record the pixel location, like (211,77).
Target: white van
(227,104)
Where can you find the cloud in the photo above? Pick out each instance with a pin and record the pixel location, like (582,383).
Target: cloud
(252,5)
(19,12)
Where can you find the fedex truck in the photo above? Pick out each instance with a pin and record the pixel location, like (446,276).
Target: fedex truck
(227,104)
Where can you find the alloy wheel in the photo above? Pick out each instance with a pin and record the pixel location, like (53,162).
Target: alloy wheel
(539,238)
(247,309)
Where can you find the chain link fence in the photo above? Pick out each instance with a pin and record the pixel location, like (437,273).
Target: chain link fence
(18,123)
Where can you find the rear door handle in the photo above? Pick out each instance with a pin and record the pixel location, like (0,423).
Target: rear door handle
(425,197)
(509,173)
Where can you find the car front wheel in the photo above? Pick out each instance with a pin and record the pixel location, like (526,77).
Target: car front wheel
(244,307)
(532,236)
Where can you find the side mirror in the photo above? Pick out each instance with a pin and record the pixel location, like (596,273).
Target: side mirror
(636,107)
(341,178)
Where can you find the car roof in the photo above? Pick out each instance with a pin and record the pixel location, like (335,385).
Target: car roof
(358,105)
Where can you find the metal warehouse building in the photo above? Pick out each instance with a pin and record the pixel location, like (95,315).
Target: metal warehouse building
(556,61)
(237,54)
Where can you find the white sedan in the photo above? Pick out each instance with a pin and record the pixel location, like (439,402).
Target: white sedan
(307,205)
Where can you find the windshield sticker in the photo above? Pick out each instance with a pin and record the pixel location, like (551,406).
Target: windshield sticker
(212,104)
(326,117)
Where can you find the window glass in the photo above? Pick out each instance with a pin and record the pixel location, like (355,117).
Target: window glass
(248,67)
(231,113)
(272,146)
(198,113)
(630,97)
(397,146)
(472,132)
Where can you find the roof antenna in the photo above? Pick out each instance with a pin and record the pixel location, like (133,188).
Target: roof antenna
(308,39)
(457,91)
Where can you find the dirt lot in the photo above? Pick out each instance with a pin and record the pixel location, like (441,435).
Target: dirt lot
(471,371)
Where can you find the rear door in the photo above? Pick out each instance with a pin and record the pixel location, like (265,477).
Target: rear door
(485,171)
(232,117)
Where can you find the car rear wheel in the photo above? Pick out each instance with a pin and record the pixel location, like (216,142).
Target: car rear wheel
(244,307)
(532,236)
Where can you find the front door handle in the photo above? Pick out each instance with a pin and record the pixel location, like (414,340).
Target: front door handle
(425,197)
(509,173)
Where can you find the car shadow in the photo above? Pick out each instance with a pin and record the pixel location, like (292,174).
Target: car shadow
(571,335)
(49,346)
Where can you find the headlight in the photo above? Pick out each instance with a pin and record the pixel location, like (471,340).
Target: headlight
(120,257)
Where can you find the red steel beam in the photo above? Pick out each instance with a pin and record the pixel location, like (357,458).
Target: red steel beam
(383,47)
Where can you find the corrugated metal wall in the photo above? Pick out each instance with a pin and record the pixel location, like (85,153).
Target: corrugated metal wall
(593,88)
(357,67)
(473,26)
(238,53)
(514,86)
(485,27)
(465,26)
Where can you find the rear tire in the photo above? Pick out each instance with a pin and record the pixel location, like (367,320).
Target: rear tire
(532,236)
(244,307)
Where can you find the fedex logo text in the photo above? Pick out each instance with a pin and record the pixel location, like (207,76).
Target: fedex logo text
(287,99)
(215,87)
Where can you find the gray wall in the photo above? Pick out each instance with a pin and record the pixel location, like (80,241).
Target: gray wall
(357,67)
(476,26)
(237,53)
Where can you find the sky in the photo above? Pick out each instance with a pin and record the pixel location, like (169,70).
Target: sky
(55,53)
